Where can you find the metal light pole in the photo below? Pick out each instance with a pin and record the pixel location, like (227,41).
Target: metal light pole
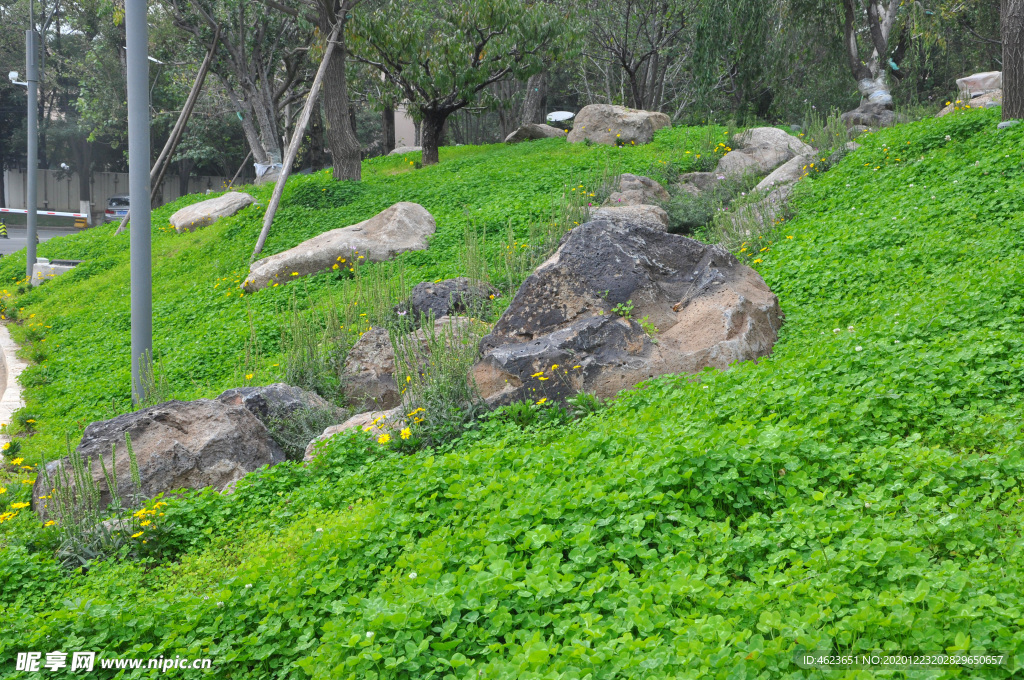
(137,46)
(32,78)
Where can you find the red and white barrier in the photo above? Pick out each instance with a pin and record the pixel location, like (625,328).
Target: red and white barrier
(44,212)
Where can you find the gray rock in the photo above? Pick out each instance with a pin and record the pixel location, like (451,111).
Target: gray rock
(451,297)
(369,375)
(374,422)
(205,213)
(399,150)
(980,83)
(178,444)
(610,124)
(1007,124)
(760,151)
(870,114)
(787,173)
(532,131)
(276,401)
(993,105)
(702,180)
(399,229)
(648,216)
(709,309)
(637,190)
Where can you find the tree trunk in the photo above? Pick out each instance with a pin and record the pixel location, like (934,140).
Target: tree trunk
(531,102)
(389,130)
(1012,29)
(184,173)
(432,128)
(3,202)
(342,141)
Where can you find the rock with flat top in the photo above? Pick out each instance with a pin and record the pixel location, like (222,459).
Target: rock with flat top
(616,125)
(399,229)
(760,150)
(532,131)
(205,213)
(649,216)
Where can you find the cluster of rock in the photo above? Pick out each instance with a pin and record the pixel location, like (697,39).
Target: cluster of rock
(601,124)
(979,90)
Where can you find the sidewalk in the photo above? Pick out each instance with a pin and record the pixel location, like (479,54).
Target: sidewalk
(10,368)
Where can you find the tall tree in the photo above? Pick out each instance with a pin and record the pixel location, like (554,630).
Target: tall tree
(260,58)
(880,17)
(442,57)
(1012,29)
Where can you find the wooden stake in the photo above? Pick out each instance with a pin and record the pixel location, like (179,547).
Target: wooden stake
(297,135)
(156,175)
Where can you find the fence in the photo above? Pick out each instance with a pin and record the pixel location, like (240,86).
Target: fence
(60,193)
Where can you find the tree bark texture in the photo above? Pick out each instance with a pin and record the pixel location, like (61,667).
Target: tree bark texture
(531,102)
(338,124)
(1012,29)
(432,128)
(389,130)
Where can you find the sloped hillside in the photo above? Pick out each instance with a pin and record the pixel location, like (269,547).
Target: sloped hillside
(860,489)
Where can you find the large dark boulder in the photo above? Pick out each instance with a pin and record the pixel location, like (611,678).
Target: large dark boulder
(565,332)
(870,114)
(178,444)
(279,400)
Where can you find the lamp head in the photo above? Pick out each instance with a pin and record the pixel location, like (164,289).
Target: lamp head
(13,76)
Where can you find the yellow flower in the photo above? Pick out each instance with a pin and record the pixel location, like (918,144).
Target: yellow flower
(542,400)
(7,446)
(542,378)
(16,461)
(758,260)
(408,378)
(384,438)
(49,524)
(335,266)
(146,523)
(538,373)
(3,489)
(405,433)
(138,534)
(554,366)
(419,410)
(248,376)
(30,421)
(295,273)
(19,506)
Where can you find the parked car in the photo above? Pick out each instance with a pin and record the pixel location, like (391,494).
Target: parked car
(117,208)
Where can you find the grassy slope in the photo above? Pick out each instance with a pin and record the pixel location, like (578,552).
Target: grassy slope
(861,488)
(200,326)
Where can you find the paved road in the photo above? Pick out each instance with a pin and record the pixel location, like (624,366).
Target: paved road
(17,238)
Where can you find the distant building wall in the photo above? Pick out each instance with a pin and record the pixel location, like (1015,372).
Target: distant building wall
(62,194)
(405,128)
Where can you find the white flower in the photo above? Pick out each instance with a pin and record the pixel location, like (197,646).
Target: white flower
(849,328)
(319,528)
(858,348)
(948,138)
(896,341)
(248,585)
(835,330)
(369,634)
(704,386)
(220,604)
(867,505)
(412,575)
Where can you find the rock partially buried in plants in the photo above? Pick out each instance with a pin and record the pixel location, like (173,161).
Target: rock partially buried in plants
(450,297)
(532,131)
(566,330)
(870,114)
(369,375)
(787,173)
(616,125)
(205,213)
(994,98)
(374,422)
(276,400)
(701,180)
(178,444)
(399,150)
(637,190)
(399,229)
(761,150)
(649,216)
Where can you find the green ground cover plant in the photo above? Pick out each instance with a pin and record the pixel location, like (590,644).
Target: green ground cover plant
(80,322)
(861,489)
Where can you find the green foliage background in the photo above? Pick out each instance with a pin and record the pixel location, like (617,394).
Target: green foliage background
(860,489)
